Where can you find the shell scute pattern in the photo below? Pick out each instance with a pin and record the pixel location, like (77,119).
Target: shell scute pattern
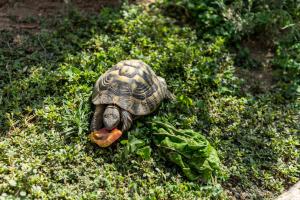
(127,71)
(132,85)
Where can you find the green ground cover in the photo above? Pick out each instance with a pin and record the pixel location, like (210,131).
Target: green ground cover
(46,82)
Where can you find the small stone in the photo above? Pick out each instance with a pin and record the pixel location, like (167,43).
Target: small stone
(12,183)
(23,193)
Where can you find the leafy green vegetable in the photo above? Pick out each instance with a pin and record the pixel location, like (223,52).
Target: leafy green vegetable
(188,149)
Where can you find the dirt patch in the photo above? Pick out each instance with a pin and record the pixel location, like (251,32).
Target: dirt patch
(261,49)
(18,15)
(145,1)
(258,79)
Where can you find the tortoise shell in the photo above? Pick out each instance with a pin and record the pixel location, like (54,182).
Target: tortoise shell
(132,85)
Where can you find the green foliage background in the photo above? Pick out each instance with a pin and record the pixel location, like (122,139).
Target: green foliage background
(46,83)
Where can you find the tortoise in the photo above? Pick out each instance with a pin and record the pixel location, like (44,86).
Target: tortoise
(126,91)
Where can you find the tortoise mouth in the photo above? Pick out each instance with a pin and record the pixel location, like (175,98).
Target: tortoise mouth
(105,137)
(110,129)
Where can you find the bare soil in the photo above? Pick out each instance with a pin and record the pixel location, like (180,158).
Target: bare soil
(258,80)
(260,48)
(18,14)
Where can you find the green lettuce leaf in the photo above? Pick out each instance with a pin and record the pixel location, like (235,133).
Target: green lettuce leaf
(188,149)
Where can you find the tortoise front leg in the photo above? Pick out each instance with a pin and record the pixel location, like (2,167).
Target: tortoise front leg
(97,121)
(126,118)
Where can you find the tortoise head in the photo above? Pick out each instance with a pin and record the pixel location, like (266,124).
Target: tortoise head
(111,117)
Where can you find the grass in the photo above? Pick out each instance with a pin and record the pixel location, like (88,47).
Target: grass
(46,82)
